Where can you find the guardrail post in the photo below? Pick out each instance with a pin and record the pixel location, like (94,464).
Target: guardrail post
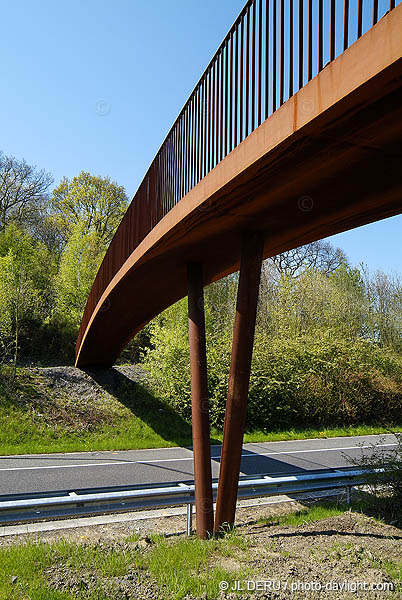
(189,519)
(199,403)
(347,494)
(239,377)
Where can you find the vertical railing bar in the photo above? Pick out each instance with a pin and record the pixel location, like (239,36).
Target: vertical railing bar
(221,115)
(197,155)
(164,192)
(391,4)
(207,114)
(189,148)
(320,40)
(333,30)
(211,116)
(171,170)
(247,75)
(182,135)
(236,85)
(194,138)
(213,103)
(267,58)
(310,39)
(300,44)
(191,156)
(200,129)
(185,155)
(231,95)
(218,88)
(253,61)
(176,167)
(182,138)
(241,80)
(359,17)
(345,24)
(259,62)
(204,129)
(178,173)
(375,11)
(226,92)
(274,56)
(290,48)
(282,54)
(210,119)
(166,181)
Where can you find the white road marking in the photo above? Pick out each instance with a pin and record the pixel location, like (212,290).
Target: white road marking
(163,460)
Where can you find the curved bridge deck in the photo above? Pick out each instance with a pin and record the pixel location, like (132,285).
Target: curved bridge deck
(327,160)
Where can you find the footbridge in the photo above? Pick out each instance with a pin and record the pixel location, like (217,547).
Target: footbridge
(293,133)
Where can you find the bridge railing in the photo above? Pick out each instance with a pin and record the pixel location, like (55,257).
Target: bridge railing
(271,51)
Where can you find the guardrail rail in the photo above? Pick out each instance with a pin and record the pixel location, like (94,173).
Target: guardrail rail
(42,506)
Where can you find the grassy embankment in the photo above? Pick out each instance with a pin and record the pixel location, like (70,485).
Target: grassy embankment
(40,416)
(172,568)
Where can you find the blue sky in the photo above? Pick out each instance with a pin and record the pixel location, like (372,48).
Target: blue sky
(95,86)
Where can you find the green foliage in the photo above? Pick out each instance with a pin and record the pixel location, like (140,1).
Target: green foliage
(26,271)
(94,203)
(385,480)
(78,266)
(313,362)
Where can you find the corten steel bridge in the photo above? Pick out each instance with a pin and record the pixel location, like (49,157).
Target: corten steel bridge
(293,133)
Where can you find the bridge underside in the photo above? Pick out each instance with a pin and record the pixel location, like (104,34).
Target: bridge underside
(328,160)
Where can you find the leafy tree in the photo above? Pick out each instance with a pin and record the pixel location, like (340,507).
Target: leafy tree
(96,204)
(78,266)
(22,190)
(26,271)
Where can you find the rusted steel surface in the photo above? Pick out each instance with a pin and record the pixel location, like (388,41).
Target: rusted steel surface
(163,187)
(199,402)
(239,377)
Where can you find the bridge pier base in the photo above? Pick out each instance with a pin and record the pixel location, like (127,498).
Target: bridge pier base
(199,403)
(239,378)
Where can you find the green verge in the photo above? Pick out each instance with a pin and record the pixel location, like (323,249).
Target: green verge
(37,418)
(171,568)
(166,568)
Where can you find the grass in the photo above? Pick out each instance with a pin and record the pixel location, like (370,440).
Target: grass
(317,512)
(311,433)
(178,567)
(36,418)
(173,567)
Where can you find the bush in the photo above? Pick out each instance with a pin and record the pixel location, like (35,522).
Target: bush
(385,480)
(294,382)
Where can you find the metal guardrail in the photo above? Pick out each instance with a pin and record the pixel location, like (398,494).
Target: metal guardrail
(36,507)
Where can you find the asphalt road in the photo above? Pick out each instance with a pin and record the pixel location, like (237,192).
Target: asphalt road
(76,471)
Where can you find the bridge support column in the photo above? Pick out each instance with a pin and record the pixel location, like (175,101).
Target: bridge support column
(239,377)
(199,403)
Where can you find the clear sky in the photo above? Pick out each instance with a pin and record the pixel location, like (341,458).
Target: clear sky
(96,85)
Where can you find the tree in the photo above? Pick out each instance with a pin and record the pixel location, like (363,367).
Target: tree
(78,266)
(22,189)
(26,271)
(94,203)
(318,256)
